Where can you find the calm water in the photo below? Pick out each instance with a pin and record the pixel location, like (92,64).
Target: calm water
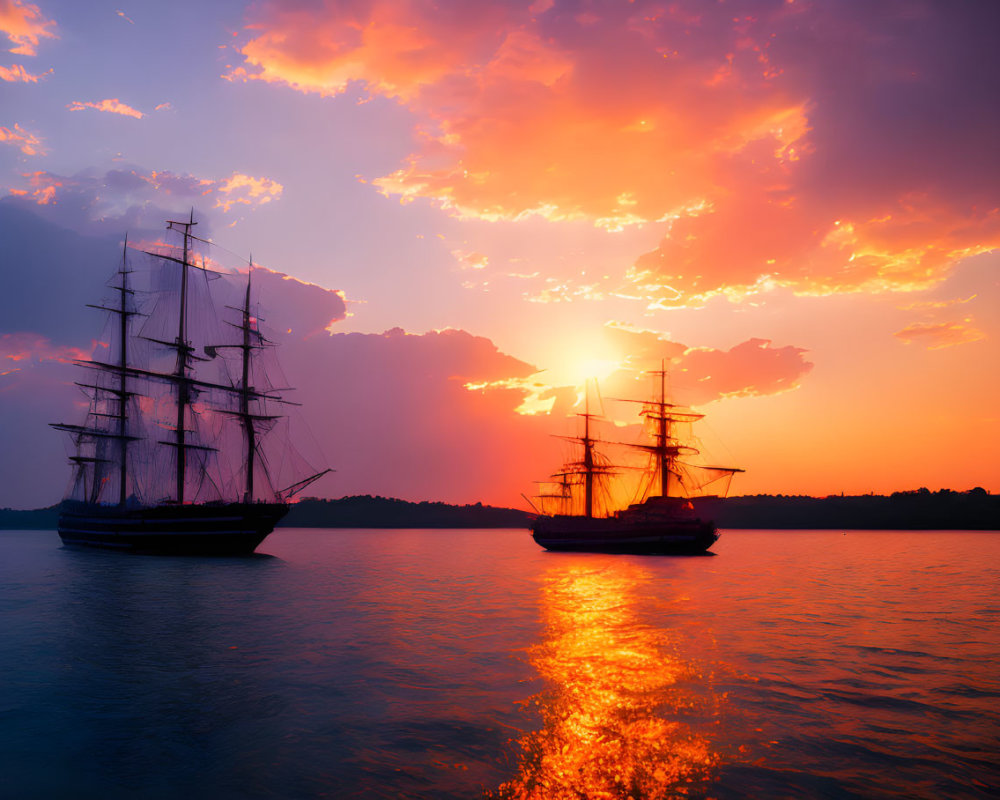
(463,664)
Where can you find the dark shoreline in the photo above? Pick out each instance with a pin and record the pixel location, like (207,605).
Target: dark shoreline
(915,510)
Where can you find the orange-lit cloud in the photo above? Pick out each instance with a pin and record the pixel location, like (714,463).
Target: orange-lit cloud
(246,190)
(111,106)
(394,48)
(15,73)
(936,335)
(470,259)
(700,375)
(24,25)
(28,143)
(763,158)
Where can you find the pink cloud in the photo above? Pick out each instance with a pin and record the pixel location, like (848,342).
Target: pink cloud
(27,348)
(28,143)
(111,106)
(753,368)
(24,25)
(700,375)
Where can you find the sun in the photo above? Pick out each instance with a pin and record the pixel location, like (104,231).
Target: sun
(581,358)
(595,368)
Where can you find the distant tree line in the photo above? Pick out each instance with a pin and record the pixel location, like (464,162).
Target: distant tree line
(366,511)
(920,509)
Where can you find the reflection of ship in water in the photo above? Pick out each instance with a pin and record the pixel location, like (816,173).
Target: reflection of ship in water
(173,456)
(665,521)
(614,711)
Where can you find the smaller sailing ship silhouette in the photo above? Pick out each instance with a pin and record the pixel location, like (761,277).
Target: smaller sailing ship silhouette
(665,522)
(171,457)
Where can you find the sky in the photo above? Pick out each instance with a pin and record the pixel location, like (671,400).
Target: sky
(467,210)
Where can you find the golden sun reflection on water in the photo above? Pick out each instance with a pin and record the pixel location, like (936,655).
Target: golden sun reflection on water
(612,712)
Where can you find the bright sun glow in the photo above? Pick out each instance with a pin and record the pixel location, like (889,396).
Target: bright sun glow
(599,368)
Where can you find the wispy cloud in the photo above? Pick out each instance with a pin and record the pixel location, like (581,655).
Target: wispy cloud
(15,73)
(111,106)
(27,142)
(468,259)
(936,335)
(25,348)
(25,26)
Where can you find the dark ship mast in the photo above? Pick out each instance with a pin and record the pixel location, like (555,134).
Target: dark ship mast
(184,352)
(670,477)
(94,437)
(667,524)
(120,393)
(675,478)
(251,339)
(588,468)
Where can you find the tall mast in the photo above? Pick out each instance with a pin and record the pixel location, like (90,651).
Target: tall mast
(94,433)
(123,315)
(588,463)
(245,390)
(665,447)
(663,436)
(590,467)
(183,351)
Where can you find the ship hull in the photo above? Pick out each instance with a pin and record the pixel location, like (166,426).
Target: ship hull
(579,534)
(211,529)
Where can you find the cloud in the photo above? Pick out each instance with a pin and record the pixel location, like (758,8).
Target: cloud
(15,73)
(936,335)
(32,347)
(305,309)
(394,48)
(470,259)
(246,190)
(132,197)
(752,368)
(28,143)
(821,147)
(395,417)
(701,375)
(112,106)
(24,25)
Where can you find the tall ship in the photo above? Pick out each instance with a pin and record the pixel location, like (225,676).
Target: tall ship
(577,512)
(174,455)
